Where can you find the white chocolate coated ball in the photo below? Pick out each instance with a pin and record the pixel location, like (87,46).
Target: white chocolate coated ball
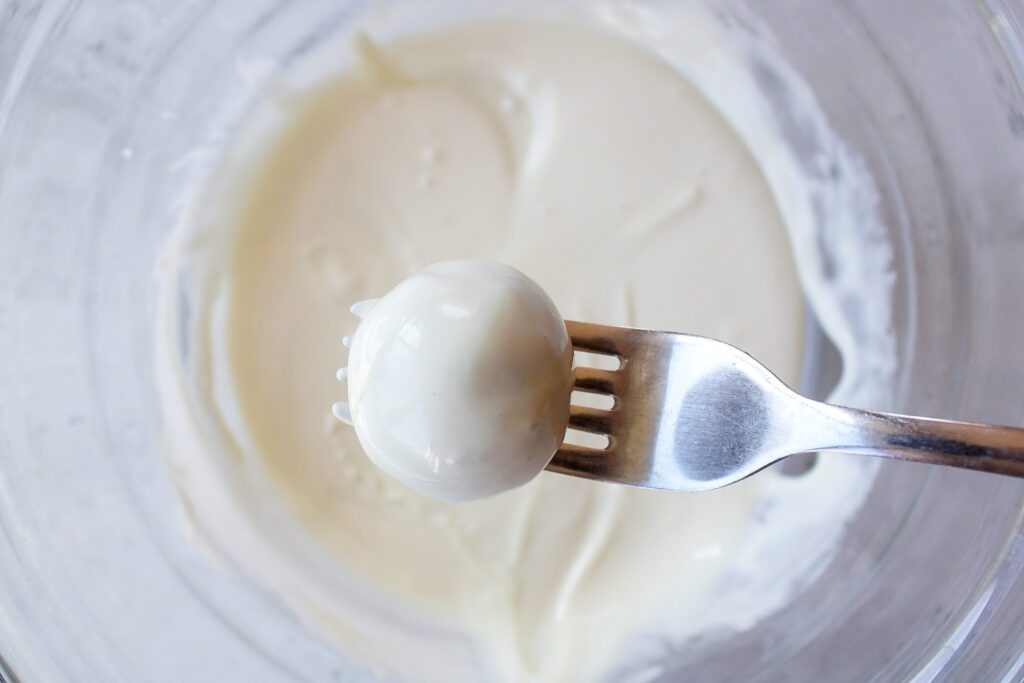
(459,380)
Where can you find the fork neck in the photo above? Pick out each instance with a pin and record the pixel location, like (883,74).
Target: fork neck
(986,448)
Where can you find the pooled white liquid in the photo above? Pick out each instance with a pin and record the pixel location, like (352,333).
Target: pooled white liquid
(591,164)
(459,380)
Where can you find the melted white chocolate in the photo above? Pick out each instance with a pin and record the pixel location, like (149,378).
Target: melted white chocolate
(595,168)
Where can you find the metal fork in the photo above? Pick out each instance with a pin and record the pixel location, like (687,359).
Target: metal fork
(693,414)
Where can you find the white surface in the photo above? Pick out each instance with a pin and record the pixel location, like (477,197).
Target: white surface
(597,170)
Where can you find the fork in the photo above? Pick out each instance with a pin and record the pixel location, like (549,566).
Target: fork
(694,414)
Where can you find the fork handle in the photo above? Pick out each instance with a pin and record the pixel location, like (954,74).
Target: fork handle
(982,447)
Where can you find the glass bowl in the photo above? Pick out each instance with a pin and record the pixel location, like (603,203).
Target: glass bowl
(110,111)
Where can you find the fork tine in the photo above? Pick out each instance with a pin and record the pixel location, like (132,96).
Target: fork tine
(596,381)
(579,461)
(592,420)
(613,341)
